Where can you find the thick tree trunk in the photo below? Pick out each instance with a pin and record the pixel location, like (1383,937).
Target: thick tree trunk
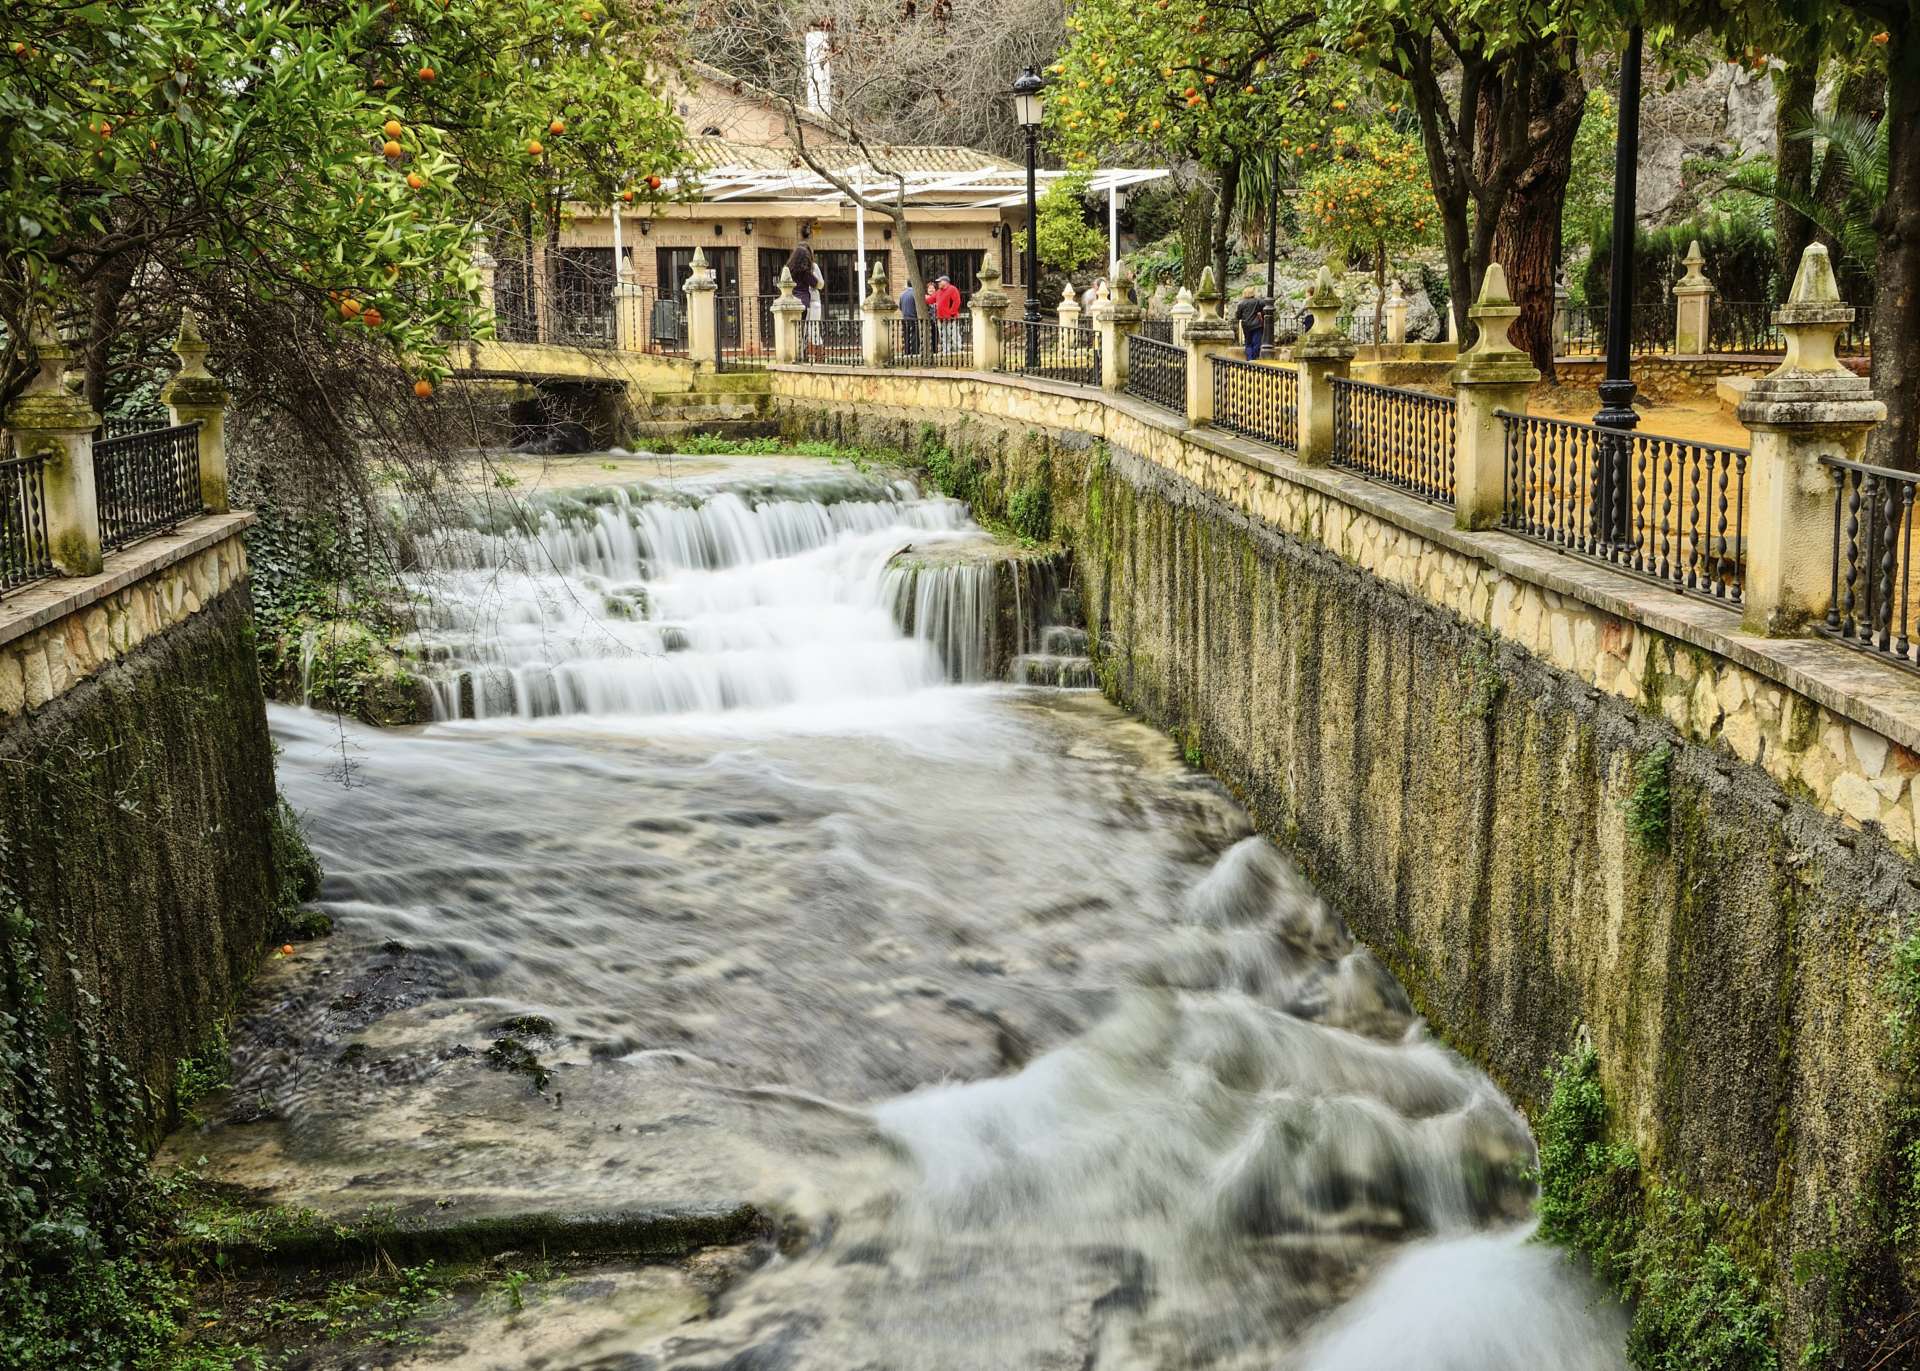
(1793,167)
(1196,233)
(1896,308)
(109,289)
(1527,239)
(1223,221)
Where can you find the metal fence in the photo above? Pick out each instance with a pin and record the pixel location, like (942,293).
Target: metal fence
(1257,401)
(831,342)
(1051,352)
(654,320)
(23,517)
(921,342)
(146,482)
(1160,330)
(1871,605)
(1157,373)
(1743,326)
(122,425)
(1668,508)
(1403,438)
(1584,330)
(745,323)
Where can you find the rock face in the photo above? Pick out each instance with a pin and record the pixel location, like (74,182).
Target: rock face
(1729,112)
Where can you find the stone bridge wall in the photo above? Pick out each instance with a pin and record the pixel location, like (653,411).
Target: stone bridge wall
(1449,729)
(136,796)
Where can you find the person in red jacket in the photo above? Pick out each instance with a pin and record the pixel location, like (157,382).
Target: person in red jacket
(943,304)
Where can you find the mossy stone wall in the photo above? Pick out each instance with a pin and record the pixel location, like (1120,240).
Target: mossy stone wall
(135,809)
(1485,821)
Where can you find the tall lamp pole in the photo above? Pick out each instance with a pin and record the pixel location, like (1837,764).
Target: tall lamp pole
(1028,108)
(1613,472)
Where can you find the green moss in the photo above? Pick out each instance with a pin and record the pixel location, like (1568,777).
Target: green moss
(201,1073)
(1030,511)
(1696,1306)
(1650,807)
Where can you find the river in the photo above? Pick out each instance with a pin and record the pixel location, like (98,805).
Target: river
(1041,1057)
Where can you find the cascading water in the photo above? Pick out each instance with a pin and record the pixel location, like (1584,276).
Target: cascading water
(708,599)
(1040,1056)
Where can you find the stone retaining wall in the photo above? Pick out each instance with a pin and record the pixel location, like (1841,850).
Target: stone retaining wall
(1450,729)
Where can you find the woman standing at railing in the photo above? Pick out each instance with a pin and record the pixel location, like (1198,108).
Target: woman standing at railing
(808,285)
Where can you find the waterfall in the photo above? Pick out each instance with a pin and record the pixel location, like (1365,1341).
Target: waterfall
(745,595)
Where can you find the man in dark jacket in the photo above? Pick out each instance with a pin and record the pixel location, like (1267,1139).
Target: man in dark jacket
(1251,314)
(909,320)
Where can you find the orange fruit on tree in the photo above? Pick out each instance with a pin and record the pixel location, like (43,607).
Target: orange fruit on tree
(392,128)
(426,73)
(371,317)
(416,180)
(653,183)
(349,307)
(627,195)
(379,83)
(557,127)
(423,388)
(392,149)
(1880,39)
(533,147)
(286,949)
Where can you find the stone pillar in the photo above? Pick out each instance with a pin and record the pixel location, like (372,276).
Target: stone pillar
(629,312)
(48,418)
(1326,352)
(703,312)
(877,313)
(1808,407)
(989,305)
(1068,311)
(1183,313)
(1205,336)
(788,316)
(1116,317)
(1561,318)
(195,395)
(1692,298)
(1396,316)
(1492,376)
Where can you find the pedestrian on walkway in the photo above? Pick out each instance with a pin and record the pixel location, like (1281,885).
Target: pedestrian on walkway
(944,297)
(1251,314)
(808,286)
(909,321)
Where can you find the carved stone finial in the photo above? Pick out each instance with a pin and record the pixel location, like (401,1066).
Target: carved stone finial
(786,283)
(1067,297)
(52,353)
(190,347)
(1493,359)
(1395,295)
(1123,285)
(1694,282)
(1813,319)
(1209,291)
(989,296)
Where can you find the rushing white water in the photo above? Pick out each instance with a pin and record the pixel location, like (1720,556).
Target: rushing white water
(1042,1058)
(621,602)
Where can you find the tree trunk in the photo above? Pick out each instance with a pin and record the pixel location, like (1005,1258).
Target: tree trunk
(1196,233)
(1527,239)
(109,288)
(1793,167)
(1223,222)
(1896,308)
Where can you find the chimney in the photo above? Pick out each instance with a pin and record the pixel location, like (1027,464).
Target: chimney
(819,70)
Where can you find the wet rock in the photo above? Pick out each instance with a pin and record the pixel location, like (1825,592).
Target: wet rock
(510,1054)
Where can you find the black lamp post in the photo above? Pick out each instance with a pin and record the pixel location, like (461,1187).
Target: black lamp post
(1613,472)
(1028,108)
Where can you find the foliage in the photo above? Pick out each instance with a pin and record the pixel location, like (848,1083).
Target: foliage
(1589,204)
(1372,197)
(1183,79)
(1650,806)
(1857,151)
(1067,241)
(1695,1306)
(335,154)
(1735,237)
(199,1075)
(1030,511)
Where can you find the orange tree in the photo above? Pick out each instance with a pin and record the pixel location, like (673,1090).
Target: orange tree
(1371,198)
(1215,83)
(295,159)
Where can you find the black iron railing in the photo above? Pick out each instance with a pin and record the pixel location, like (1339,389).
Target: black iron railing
(1871,606)
(745,323)
(1668,508)
(1257,401)
(652,320)
(1583,330)
(146,482)
(1743,326)
(1157,373)
(579,297)
(831,342)
(1400,437)
(1160,330)
(923,342)
(23,517)
(1051,351)
(119,426)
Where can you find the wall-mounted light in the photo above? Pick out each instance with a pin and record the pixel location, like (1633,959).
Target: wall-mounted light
(748,226)
(646,227)
(719,230)
(994,233)
(886,235)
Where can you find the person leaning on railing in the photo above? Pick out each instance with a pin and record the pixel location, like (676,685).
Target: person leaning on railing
(943,306)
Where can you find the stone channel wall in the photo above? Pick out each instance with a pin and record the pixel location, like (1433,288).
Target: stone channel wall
(137,797)
(1454,732)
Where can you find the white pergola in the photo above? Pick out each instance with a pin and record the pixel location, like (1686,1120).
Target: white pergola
(991,187)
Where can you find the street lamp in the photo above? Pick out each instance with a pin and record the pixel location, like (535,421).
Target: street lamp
(1613,472)
(1028,108)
